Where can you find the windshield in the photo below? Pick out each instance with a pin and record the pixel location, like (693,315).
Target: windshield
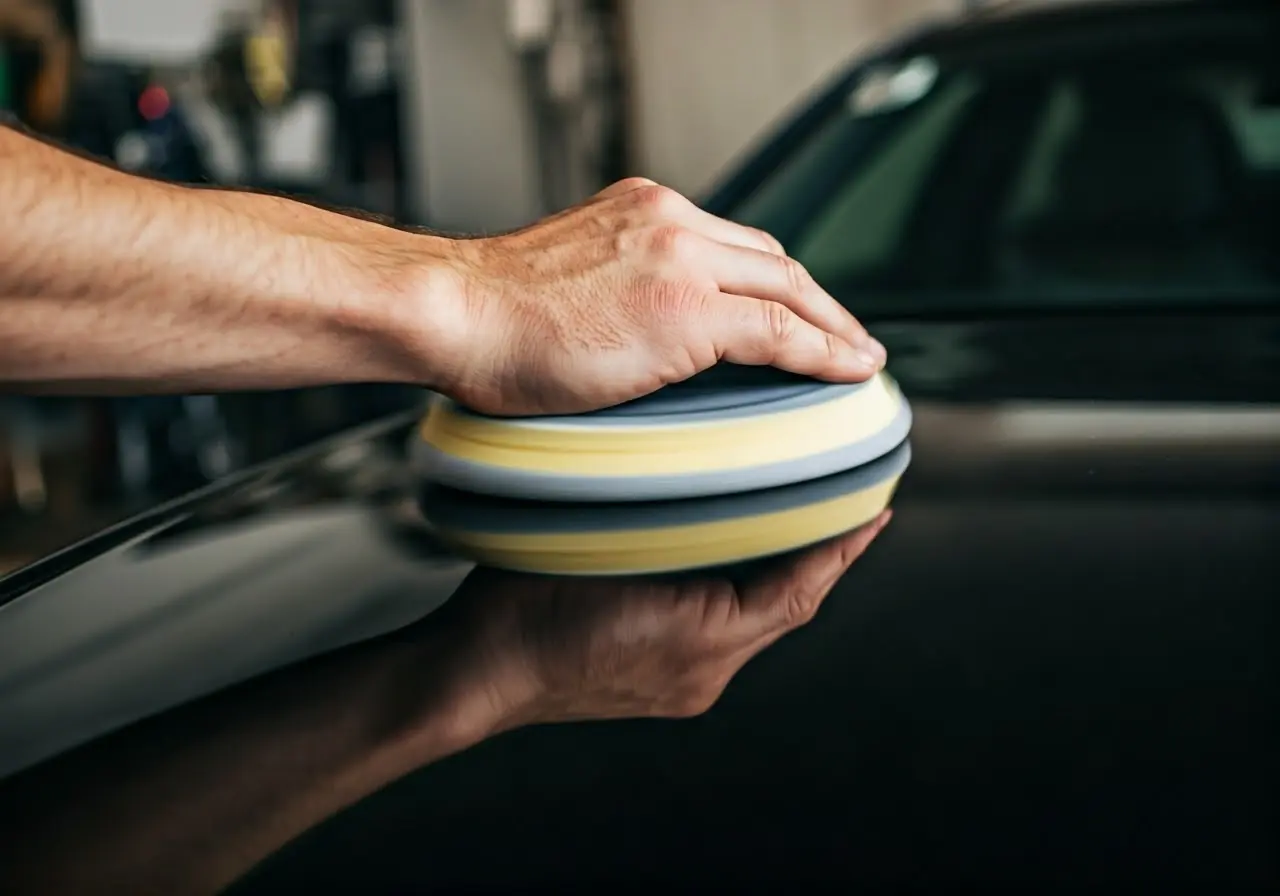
(1064,178)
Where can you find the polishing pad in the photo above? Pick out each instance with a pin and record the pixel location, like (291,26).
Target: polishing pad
(694,441)
(670,536)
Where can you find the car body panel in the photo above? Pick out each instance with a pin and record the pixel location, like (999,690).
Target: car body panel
(1054,663)
(1055,666)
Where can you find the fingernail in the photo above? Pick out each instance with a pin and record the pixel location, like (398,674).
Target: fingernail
(867,360)
(877,350)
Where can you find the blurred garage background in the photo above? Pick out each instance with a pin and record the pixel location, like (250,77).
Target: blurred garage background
(461,115)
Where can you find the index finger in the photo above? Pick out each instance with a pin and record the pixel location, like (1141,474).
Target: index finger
(744,271)
(791,596)
(758,332)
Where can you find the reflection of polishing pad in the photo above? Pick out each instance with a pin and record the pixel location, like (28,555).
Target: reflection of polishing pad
(677,443)
(669,536)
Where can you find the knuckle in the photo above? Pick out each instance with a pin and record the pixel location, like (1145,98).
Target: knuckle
(797,276)
(780,323)
(720,593)
(774,244)
(672,242)
(831,345)
(659,200)
(628,184)
(799,609)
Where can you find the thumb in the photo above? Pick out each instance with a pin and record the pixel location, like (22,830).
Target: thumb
(755,332)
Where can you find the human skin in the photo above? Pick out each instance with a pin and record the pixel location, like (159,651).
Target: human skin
(112,283)
(188,801)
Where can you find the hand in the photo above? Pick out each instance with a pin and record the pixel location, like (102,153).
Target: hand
(554,650)
(632,290)
(187,800)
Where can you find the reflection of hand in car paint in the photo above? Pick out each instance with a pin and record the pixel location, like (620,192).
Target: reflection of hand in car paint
(562,649)
(188,801)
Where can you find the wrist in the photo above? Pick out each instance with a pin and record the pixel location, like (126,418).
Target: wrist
(441,698)
(412,300)
(381,304)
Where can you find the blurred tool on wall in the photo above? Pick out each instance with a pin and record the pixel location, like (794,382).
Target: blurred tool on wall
(109,108)
(312,95)
(570,62)
(248,74)
(351,54)
(37,61)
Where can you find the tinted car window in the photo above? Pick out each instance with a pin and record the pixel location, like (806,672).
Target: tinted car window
(1071,180)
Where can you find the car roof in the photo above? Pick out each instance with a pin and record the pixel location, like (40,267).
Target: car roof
(1017,32)
(1091,10)
(1004,20)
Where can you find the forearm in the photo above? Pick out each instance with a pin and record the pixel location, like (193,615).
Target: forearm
(110,282)
(186,803)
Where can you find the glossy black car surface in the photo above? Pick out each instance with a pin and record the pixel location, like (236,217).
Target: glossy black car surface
(1056,666)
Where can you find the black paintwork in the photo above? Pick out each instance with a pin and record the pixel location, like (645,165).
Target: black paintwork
(1056,666)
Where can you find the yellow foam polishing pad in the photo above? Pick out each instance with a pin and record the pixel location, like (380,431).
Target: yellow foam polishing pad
(632,538)
(676,443)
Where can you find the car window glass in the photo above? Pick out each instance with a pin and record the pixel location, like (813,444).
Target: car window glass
(1139,183)
(1134,179)
(1255,118)
(863,224)
(1034,187)
(778,202)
